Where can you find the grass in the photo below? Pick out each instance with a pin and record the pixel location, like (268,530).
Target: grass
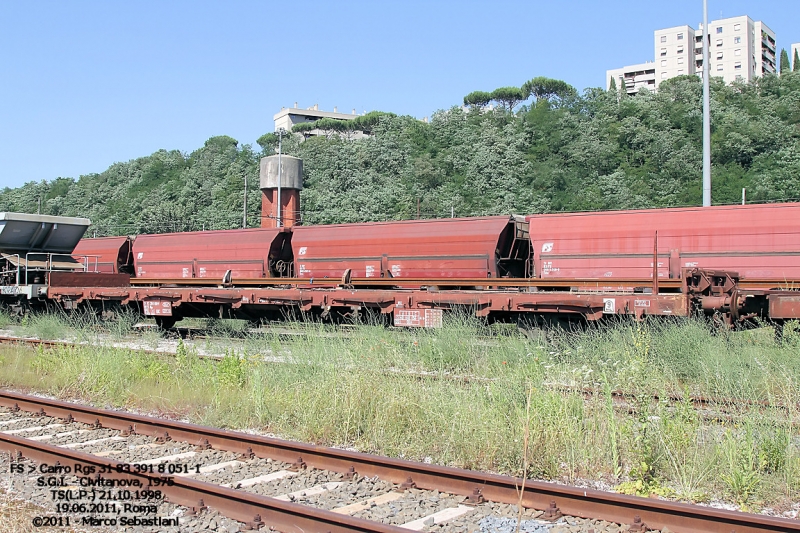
(465,394)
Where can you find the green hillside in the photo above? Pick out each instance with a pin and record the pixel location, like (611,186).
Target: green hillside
(557,151)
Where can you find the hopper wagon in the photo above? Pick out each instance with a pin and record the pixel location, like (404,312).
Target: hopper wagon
(444,249)
(758,242)
(245,253)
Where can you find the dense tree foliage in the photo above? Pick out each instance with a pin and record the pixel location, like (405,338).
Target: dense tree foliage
(478,98)
(785,65)
(548,88)
(562,151)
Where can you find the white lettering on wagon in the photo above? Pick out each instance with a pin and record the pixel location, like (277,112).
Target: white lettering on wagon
(641,303)
(547,268)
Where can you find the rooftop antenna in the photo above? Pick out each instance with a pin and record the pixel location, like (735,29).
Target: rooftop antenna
(706,115)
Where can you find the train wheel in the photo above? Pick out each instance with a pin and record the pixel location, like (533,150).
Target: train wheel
(165,322)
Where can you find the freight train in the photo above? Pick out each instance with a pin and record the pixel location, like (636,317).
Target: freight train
(740,262)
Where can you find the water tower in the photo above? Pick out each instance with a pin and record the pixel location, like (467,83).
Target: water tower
(286,211)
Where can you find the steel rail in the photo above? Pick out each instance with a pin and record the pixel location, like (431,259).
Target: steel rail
(557,283)
(574,501)
(253,509)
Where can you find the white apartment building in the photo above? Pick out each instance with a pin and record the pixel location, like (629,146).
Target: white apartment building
(634,77)
(674,48)
(740,49)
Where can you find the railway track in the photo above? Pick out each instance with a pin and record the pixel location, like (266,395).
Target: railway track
(259,481)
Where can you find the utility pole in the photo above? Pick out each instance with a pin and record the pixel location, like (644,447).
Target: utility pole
(244,208)
(280,175)
(706,113)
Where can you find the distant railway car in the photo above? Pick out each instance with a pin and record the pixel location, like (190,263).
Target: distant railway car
(247,253)
(109,255)
(486,247)
(757,241)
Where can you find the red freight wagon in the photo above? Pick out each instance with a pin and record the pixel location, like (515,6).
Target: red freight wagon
(443,248)
(248,253)
(757,241)
(109,255)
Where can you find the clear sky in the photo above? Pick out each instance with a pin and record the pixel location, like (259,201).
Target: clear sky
(86,84)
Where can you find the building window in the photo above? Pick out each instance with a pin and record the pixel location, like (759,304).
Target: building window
(663,62)
(663,38)
(680,36)
(738,65)
(680,49)
(719,42)
(737,52)
(719,55)
(663,51)
(680,72)
(719,66)
(663,75)
(737,40)
(680,61)
(719,29)
(737,27)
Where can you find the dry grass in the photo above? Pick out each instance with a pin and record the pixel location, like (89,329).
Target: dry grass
(16,516)
(355,389)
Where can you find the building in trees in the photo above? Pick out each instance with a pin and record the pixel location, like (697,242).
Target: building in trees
(286,118)
(633,77)
(739,47)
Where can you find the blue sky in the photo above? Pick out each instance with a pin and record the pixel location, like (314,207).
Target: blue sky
(86,84)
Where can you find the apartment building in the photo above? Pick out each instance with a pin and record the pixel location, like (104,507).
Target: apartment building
(674,50)
(739,47)
(634,77)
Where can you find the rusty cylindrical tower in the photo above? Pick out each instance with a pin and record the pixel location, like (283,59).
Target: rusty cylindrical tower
(291,183)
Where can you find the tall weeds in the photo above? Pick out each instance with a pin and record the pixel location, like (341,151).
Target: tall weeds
(477,396)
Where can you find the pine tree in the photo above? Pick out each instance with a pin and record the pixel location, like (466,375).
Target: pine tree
(796,63)
(784,61)
(613,85)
